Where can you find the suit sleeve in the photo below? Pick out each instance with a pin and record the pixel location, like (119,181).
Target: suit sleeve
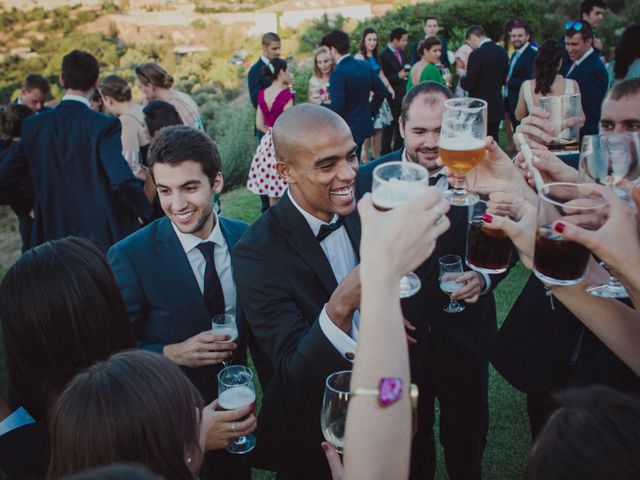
(444,59)
(379,93)
(254,85)
(469,81)
(121,180)
(593,91)
(132,293)
(300,353)
(14,167)
(337,93)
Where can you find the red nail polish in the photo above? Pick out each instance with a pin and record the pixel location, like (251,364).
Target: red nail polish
(324,446)
(487,218)
(559,227)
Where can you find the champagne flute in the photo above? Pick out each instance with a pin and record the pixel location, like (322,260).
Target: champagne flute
(334,408)
(607,160)
(450,269)
(395,183)
(462,143)
(133,160)
(236,390)
(225,324)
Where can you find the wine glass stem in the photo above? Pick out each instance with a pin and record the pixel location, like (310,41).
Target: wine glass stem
(460,184)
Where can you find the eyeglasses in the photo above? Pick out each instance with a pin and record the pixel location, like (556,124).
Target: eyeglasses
(577,26)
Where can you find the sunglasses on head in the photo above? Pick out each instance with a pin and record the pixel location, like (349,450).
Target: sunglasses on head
(577,26)
(517,24)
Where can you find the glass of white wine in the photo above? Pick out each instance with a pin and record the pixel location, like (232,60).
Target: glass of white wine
(236,390)
(450,270)
(334,408)
(225,324)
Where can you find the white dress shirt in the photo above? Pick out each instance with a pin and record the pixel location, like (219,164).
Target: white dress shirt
(77,98)
(267,62)
(343,259)
(443,186)
(221,258)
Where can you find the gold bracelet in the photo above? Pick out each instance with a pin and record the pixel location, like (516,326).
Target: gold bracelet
(389,392)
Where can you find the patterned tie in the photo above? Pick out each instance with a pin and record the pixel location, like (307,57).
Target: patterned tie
(328,229)
(212,292)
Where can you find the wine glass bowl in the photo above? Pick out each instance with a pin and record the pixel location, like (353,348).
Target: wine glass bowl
(236,390)
(334,408)
(450,269)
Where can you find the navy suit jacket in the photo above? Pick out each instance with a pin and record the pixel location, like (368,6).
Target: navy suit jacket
(349,87)
(444,58)
(163,299)
(593,81)
(523,70)
(257,80)
(81,183)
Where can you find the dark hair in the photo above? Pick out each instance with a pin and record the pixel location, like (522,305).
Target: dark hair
(11,118)
(397,33)
(116,87)
(338,40)
(517,23)
(587,5)
(594,434)
(117,471)
(159,114)
(177,144)
(428,88)
(97,98)
(35,81)
(137,406)
(476,30)
(278,65)
(627,51)
(154,74)
(586,32)
(269,37)
(431,17)
(80,71)
(546,65)
(427,44)
(625,88)
(61,311)
(362,47)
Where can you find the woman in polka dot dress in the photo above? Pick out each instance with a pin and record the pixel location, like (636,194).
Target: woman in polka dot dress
(272,101)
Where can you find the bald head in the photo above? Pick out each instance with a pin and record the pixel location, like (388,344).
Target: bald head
(298,128)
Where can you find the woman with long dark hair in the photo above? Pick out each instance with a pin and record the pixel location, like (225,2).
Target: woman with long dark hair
(546,80)
(626,62)
(368,51)
(61,311)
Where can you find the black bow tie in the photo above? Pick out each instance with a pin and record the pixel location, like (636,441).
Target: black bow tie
(328,229)
(434,180)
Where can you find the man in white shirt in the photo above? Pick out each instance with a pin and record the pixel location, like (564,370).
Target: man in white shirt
(299,287)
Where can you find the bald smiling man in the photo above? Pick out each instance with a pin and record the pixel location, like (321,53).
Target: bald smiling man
(298,284)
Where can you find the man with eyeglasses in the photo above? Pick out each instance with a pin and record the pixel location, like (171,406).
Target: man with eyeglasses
(586,68)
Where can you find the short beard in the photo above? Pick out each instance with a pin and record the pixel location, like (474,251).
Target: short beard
(413,157)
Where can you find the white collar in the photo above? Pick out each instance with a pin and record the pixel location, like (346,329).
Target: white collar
(77,98)
(190,241)
(392,49)
(440,171)
(265,60)
(314,222)
(523,48)
(487,39)
(19,100)
(343,57)
(583,57)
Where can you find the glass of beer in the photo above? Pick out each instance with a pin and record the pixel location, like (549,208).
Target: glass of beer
(450,270)
(225,324)
(564,116)
(333,417)
(489,250)
(395,183)
(236,390)
(556,260)
(609,159)
(462,143)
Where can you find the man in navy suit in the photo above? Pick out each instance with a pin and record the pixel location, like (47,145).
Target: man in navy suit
(34,92)
(431,29)
(175,274)
(349,86)
(587,69)
(81,183)
(520,66)
(392,63)
(448,353)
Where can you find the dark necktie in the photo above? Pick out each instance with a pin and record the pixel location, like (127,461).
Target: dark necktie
(212,292)
(434,180)
(328,229)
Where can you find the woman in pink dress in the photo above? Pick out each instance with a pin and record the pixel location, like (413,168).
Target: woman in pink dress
(272,101)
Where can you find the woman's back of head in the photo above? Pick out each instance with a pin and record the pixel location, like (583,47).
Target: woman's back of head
(159,114)
(61,311)
(135,407)
(154,74)
(116,87)
(546,65)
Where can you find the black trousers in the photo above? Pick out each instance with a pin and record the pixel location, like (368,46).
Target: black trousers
(493,129)
(464,420)
(392,133)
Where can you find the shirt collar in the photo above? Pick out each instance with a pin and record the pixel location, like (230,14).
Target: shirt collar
(190,241)
(523,48)
(484,41)
(265,60)
(435,173)
(583,57)
(343,57)
(19,101)
(77,98)
(391,48)
(314,223)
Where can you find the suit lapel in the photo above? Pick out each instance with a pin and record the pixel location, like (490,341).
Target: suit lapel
(301,239)
(179,269)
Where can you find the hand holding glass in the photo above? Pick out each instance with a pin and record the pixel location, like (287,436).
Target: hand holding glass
(450,270)
(564,116)
(225,324)
(334,408)
(236,390)
(133,160)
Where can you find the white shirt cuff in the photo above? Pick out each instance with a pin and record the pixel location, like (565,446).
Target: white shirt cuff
(487,283)
(345,344)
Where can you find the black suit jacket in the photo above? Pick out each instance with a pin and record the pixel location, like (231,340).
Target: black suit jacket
(522,70)
(284,279)
(24,452)
(81,183)
(391,68)
(257,80)
(163,299)
(487,70)
(461,340)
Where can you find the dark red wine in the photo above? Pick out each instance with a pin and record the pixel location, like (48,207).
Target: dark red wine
(559,259)
(488,250)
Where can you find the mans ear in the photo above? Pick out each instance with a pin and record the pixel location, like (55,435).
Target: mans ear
(401,126)
(285,171)
(61,80)
(218,183)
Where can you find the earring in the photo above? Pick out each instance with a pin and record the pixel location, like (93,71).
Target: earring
(188,460)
